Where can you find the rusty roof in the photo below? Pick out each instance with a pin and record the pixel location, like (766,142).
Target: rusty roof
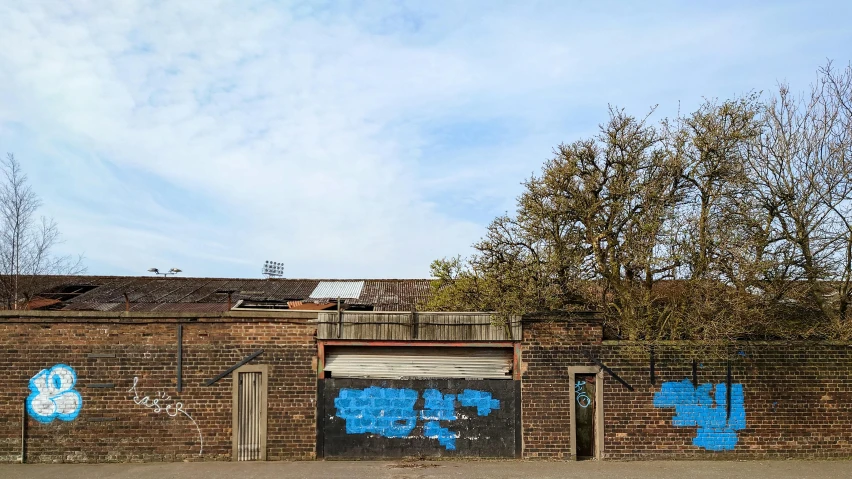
(41,303)
(150,293)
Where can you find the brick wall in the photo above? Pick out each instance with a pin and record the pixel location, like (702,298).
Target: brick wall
(797,397)
(112,427)
(550,345)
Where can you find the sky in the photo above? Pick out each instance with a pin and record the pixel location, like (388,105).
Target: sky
(348,139)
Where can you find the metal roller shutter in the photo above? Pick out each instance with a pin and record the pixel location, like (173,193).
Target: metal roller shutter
(418,362)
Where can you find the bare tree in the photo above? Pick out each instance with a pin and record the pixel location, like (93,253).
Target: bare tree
(587,230)
(743,207)
(711,143)
(26,240)
(801,172)
(838,85)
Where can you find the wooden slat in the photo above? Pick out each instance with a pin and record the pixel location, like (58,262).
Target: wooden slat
(432,326)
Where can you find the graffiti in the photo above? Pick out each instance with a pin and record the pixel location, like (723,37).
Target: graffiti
(389,412)
(583,398)
(694,407)
(163,403)
(440,407)
(383,411)
(53,395)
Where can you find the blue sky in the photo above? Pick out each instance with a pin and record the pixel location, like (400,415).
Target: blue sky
(348,139)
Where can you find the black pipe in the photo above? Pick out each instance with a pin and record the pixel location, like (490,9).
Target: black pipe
(179,357)
(694,373)
(728,391)
(653,379)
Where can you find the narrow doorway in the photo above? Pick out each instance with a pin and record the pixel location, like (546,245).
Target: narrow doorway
(249,413)
(585,415)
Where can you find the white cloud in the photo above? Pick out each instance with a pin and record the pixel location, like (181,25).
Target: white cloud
(215,135)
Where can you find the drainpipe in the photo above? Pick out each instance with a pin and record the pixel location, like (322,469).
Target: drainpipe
(24,433)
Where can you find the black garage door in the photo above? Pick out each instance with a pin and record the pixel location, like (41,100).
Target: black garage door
(391,417)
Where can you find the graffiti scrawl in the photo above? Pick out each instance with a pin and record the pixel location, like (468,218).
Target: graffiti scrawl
(53,396)
(389,412)
(694,406)
(583,398)
(163,403)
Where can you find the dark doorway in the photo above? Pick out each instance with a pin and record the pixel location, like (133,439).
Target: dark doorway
(584,407)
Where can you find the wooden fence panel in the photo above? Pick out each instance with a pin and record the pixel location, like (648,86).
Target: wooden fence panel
(419,326)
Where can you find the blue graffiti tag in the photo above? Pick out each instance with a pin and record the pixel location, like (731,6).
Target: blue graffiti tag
(694,407)
(389,412)
(439,407)
(583,398)
(384,411)
(53,395)
(480,400)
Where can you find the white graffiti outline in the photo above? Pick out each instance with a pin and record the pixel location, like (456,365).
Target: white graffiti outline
(53,394)
(158,405)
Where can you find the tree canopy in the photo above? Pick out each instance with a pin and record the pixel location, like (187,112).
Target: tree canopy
(733,221)
(26,241)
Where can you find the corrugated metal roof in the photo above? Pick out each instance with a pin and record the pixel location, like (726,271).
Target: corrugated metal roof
(146,292)
(395,294)
(338,289)
(148,307)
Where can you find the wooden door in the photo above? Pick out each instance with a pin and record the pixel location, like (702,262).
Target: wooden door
(585,416)
(249,417)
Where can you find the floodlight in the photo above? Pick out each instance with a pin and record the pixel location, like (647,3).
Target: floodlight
(273,268)
(171,271)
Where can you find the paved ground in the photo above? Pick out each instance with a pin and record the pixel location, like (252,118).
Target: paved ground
(435,469)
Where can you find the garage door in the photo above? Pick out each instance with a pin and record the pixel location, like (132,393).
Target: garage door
(418,362)
(390,402)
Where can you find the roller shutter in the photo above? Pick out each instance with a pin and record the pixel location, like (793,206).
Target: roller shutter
(418,362)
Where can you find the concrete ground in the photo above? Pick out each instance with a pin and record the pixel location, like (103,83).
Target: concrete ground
(434,469)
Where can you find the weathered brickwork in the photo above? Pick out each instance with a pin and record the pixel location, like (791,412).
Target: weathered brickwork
(787,399)
(550,346)
(111,426)
(797,397)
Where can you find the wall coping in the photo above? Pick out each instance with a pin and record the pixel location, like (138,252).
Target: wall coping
(124,317)
(562,316)
(611,342)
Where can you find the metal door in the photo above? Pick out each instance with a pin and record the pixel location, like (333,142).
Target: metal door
(386,418)
(249,442)
(418,362)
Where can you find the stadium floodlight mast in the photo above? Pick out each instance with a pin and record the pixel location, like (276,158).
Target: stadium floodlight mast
(171,271)
(273,269)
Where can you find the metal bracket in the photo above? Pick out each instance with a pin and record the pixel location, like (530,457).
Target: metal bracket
(609,371)
(235,366)
(100,419)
